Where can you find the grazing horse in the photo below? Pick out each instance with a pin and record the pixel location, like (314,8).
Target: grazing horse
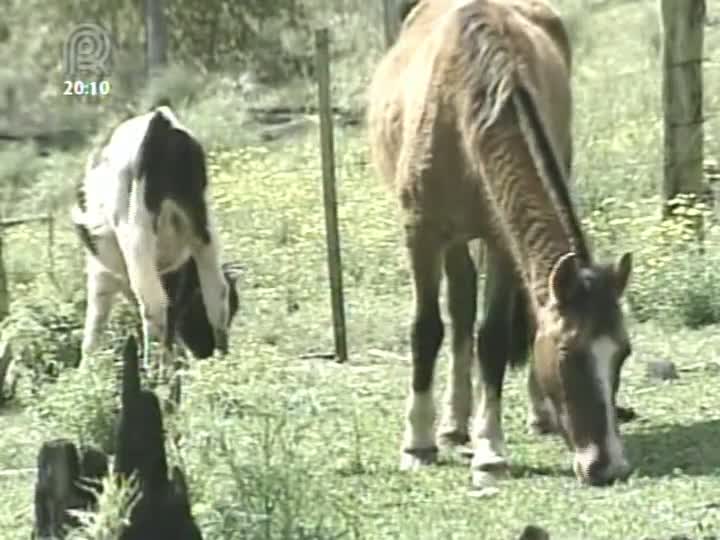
(469,122)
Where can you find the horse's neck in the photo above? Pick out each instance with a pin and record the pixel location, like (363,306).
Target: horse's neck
(538,240)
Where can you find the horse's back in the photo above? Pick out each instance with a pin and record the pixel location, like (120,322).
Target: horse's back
(412,126)
(423,53)
(414,97)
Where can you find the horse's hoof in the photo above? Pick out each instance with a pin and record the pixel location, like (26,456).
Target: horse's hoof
(452,439)
(541,427)
(222,342)
(489,473)
(456,445)
(488,466)
(412,460)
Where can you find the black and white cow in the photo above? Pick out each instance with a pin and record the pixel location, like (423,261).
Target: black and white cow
(143,216)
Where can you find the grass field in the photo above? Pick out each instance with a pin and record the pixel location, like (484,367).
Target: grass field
(275,444)
(278,446)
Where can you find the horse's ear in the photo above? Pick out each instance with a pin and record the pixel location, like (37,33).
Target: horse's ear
(564,279)
(621,272)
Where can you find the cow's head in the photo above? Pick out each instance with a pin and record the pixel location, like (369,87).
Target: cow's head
(193,326)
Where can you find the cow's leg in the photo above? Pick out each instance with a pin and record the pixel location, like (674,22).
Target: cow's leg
(425,253)
(462,305)
(102,288)
(214,287)
(174,307)
(138,243)
(494,349)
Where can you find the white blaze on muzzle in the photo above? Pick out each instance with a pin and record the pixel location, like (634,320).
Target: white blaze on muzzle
(604,351)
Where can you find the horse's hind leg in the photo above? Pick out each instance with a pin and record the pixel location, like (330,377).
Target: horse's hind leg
(494,349)
(462,305)
(541,419)
(425,255)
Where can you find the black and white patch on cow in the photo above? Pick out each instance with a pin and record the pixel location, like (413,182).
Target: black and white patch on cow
(187,321)
(142,213)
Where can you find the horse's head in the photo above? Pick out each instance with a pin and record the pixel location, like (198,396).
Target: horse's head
(580,348)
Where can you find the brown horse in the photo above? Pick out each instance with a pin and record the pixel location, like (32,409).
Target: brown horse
(469,120)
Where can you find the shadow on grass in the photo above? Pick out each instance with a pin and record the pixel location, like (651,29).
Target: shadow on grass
(523,470)
(671,448)
(517,470)
(12,407)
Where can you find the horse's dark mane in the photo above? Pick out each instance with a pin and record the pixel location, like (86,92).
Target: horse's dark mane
(556,177)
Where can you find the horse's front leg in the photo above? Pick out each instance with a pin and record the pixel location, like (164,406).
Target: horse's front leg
(495,347)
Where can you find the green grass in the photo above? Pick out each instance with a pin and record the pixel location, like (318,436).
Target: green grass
(276,446)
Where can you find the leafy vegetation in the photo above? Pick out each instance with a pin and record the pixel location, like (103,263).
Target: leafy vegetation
(278,446)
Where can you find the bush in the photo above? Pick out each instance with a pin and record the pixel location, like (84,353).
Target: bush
(82,404)
(115,504)
(673,278)
(47,329)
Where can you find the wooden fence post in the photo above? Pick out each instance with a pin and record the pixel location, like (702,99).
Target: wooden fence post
(390,21)
(322,58)
(156,36)
(15,222)
(5,351)
(682,90)
(4,287)
(51,244)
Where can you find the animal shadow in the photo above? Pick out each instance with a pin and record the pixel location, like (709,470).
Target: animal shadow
(68,479)
(163,508)
(666,449)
